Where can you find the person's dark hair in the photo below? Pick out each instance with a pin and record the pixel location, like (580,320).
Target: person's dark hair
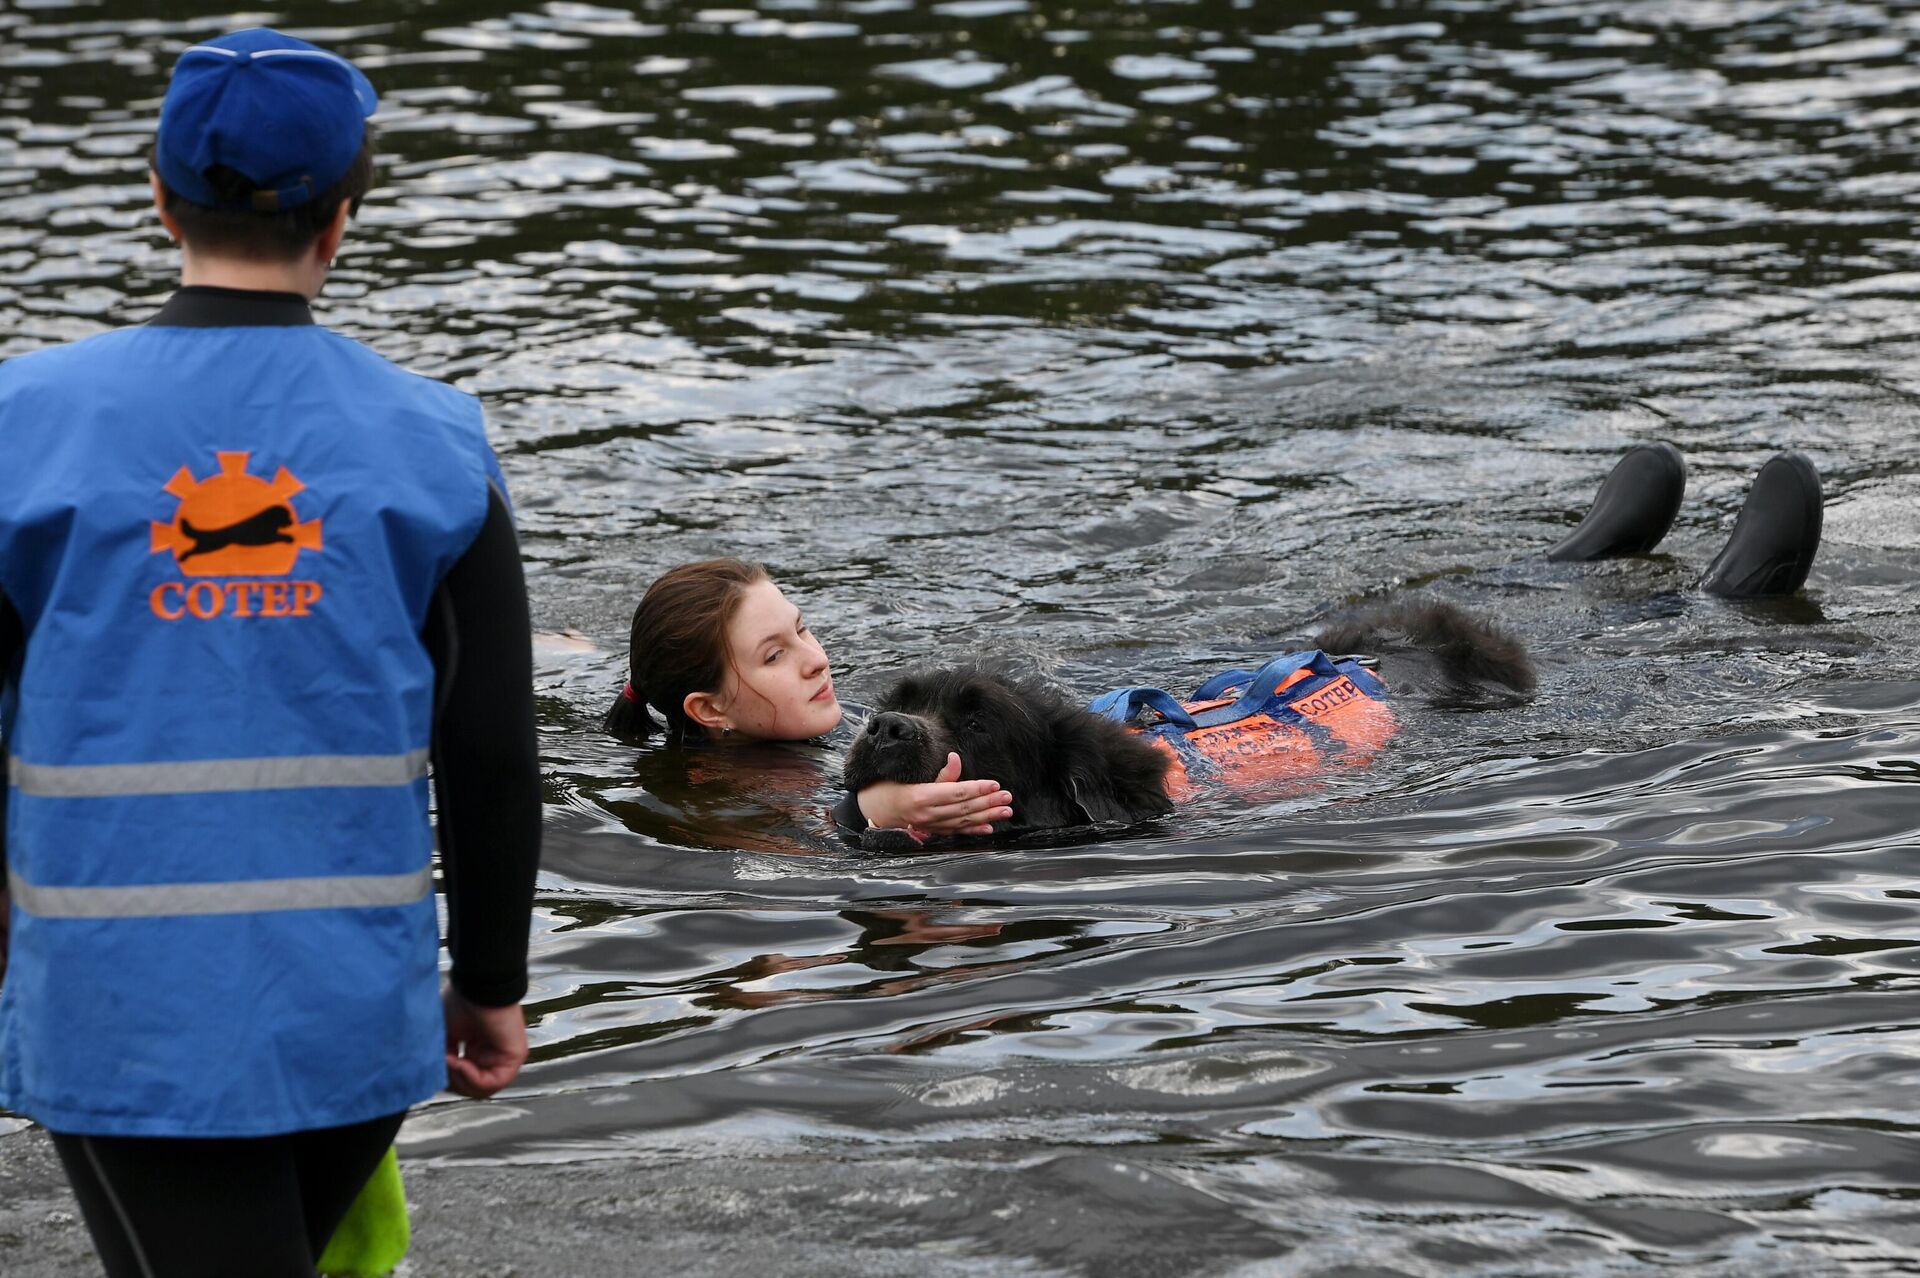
(679,643)
(242,232)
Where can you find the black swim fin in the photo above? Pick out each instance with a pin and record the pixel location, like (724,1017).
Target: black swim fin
(1773,542)
(1633,509)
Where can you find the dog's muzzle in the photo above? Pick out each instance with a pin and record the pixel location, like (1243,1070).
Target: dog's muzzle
(902,747)
(893,730)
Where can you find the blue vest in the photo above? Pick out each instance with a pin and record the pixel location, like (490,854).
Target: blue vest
(223,544)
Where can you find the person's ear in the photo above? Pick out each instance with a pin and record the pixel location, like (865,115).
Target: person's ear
(336,230)
(707,709)
(167,219)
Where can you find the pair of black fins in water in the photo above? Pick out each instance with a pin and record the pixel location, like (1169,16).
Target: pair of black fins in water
(1768,554)
(1773,542)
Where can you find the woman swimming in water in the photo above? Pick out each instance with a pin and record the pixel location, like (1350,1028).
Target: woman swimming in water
(722,655)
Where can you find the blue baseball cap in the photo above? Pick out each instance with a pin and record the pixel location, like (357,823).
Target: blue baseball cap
(287,115)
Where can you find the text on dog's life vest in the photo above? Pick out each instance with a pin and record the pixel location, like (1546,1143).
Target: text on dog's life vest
(1332,697)
(1256,740)
(174,600)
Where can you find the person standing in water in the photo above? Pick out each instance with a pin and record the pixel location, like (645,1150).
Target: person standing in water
(238,555)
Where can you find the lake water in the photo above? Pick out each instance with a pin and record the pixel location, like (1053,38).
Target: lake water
(1123,341)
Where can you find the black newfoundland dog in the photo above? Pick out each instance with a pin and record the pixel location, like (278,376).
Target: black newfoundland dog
(1066,766)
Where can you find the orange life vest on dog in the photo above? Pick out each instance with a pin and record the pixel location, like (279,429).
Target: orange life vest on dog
(1257,730)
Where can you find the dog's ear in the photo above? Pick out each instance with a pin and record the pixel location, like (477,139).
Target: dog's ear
(1106,803)
(1041,810)
(1095,797)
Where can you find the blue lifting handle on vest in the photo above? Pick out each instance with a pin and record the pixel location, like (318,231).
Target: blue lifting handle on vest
(1227,680)
(1121,704)
(1265,683)
(1256,690)
(1223,683)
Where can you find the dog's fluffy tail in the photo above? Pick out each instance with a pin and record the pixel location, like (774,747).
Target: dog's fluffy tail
(1470,652)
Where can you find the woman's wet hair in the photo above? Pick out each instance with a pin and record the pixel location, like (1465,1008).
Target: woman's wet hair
(242,232)
(679,644)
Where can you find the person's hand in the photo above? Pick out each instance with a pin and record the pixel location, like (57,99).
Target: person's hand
(486,1046)
(944,805)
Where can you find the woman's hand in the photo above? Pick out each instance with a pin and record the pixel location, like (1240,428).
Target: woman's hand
(944,805)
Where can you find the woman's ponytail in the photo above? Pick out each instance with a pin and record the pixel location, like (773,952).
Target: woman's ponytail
(627,718)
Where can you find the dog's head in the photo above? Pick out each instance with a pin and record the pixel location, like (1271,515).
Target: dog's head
(1063,765)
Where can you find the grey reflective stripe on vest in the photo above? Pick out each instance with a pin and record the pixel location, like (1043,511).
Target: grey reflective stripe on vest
(206,776)
(244,896)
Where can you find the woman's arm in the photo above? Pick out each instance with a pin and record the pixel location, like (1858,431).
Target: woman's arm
(945,805)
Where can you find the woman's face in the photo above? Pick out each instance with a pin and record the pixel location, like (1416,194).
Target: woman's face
(778,686)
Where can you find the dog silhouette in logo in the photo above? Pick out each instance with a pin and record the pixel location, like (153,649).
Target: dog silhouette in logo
(267,528)
(233,523)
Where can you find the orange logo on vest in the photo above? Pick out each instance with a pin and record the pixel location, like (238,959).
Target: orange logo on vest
(233,524)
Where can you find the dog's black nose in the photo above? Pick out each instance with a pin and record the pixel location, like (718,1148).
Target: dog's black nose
(892,727)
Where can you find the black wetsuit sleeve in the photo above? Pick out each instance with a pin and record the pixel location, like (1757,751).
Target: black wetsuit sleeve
(13,646)
(848,816)
(486,765)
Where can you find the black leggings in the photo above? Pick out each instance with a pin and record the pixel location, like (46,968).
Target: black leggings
(262,1207)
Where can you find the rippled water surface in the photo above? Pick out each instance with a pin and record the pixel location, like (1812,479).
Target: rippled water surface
(1123,341)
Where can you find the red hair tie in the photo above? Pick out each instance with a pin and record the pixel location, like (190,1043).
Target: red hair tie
(631,695)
